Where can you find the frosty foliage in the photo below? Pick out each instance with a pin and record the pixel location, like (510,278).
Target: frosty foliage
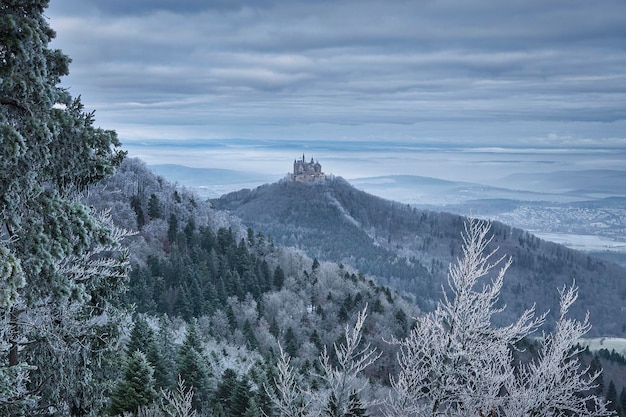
(178,403)
(342,377)
(288,396)
(455,363)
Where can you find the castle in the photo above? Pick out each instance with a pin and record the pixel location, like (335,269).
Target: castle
(307,171)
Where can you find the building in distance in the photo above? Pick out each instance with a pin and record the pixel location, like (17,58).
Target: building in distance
(304,171)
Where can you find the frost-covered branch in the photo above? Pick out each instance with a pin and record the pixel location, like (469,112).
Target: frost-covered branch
(288,397)
(455,362)
(179,404)
(104,260)
(344,379)
(554,383)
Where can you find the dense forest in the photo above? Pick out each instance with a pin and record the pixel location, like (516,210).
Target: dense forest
(122,294)
(410,249)
(199,270)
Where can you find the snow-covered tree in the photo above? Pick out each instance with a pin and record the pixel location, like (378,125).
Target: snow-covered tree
(62,262)
(137,388)
(455,362)
(344,376)
(288,395)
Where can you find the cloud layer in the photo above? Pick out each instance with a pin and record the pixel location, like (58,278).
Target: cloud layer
(475,73)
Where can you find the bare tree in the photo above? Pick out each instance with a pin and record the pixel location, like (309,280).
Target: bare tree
(553,385)
(179,403)
(288,397)
(455,362)
(345,378)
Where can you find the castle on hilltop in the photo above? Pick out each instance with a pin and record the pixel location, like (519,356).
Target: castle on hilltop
(307,171)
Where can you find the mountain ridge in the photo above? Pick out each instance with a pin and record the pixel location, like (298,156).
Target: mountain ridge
(409,248)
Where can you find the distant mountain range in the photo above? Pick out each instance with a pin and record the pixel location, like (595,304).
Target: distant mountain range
(211,182)
(558,186)
(409,248)
(587,184)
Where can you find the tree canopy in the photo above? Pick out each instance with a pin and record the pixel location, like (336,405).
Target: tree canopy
(62,262)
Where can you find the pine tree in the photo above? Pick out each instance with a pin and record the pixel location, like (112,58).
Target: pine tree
(291,343)
(63,264)
(154,207)
(355,408)
(142,338)
(253,409)
(622,401)
(279,277)
(137,387)
(240,398)
(611,396)
(192,366)
(248,332)
(167,351)
(222,398)
(172,228)
(332,408)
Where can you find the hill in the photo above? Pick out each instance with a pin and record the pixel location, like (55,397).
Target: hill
(214,299)
(409,249)
(194,267)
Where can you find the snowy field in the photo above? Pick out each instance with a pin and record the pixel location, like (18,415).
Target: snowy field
(609,343)
(586,243)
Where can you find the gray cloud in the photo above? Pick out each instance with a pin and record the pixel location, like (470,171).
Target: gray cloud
(448,70)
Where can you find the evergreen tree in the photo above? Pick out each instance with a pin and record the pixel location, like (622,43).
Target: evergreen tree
(332,407)
(611,396)
(154,207)
(595,367)
(291,343)
(253,409)
(172,228)
(62,263)
(142,338)
(622,401)
(192,366)
(248,332)
(355,408)
(274,330)
(223,396)
(316,265)
(240,398)
(279,277)
(135,204)
(167,351)
(137,387)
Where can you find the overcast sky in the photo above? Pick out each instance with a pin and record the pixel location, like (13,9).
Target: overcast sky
(531,73)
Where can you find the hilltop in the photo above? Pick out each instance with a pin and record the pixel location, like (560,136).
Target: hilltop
(409,249)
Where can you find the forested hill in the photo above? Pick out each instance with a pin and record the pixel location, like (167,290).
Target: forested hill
(198,273)
(410,249)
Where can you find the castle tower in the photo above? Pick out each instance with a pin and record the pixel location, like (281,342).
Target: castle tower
(307,171)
